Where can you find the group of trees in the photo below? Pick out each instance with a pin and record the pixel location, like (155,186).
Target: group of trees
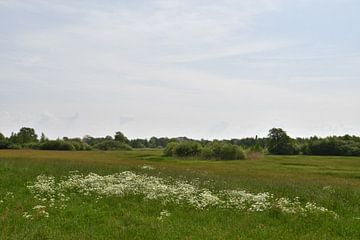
(277,142)
(212,150)
(27,138)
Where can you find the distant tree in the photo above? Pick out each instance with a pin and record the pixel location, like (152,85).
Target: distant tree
(138,143)
(280,143)
(2,137)
(120,137)
(25,135)
(43,138)
(3,142)
(109,137)
(153,142)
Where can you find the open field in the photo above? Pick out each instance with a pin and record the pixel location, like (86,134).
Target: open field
(329,182)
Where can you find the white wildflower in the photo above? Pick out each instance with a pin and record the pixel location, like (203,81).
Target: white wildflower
(27,215)
(147,167)
(9,195)
(55,194)
(163,214)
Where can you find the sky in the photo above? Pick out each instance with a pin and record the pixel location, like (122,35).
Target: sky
(197,68)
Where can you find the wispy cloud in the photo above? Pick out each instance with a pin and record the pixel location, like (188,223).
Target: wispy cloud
(166,67)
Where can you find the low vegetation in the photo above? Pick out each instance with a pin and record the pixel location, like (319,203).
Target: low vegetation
(142,194)
(276,143)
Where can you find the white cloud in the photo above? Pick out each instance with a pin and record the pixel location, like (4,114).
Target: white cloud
(133,64)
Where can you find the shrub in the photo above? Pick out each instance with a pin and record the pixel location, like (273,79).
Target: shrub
(169,149)
(332,146)
(187,149)
(240,154)
(112,145)
(80,146)
(4,144)
(222,151)
(207,153)
(32,145)
(57,145)
(214,150)
(14,146)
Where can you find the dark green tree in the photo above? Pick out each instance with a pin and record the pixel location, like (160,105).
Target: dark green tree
(2,137)
(43,138)
(120,137)
(280,143)
(25,135)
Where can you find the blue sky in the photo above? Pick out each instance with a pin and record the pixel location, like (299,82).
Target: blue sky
(211,69)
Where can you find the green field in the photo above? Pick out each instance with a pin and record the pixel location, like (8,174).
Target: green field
(330,182)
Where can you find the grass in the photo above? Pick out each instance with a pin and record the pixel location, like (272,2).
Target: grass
(131,217)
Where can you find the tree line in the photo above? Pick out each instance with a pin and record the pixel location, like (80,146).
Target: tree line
(277,142)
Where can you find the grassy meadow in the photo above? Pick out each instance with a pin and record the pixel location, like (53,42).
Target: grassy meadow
(330,182)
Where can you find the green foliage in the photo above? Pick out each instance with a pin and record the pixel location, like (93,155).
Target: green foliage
(139,143)
(14,146)
(207,153)
(60,145)
(169,149)
(25,135)
(2,137)
(120,137)
(280,143)
(222,151)
(213,150)
(335,146)
(187,149)
(3,142)
(111,145)
(32,145)
(43,138)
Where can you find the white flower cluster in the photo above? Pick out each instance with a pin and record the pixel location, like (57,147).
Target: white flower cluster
(38,211)
(8,196)
(46,189)
(163,214)
(147,167)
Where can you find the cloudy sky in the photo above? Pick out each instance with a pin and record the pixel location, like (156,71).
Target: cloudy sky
(200,68)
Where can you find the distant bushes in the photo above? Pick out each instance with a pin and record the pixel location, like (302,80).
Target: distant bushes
(214,150)
(111,145)
(59,145)
(333,146)
(277,143)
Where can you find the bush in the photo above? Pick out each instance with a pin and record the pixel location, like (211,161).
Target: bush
(169,149)
(80,146)
(222,151)
(33,145)
(187,149)
(14,146)
(112,145)
(332,146)
(57,145)
(240,154)
(214,150)
(207,153)
(4,144)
